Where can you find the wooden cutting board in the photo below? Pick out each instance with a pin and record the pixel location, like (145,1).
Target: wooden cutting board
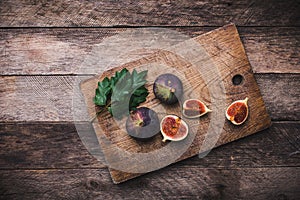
(209,73)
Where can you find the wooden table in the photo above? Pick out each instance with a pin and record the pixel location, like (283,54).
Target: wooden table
(41,46)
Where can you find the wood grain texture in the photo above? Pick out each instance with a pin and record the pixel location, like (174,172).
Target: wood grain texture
(23,146)
(45,145)
(33,98)
(263,166)
(63,51)
(225,57)
(148,13)
(170,183)
(281,91)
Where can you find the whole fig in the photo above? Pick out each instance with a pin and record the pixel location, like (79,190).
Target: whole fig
(143,124)
(168,88)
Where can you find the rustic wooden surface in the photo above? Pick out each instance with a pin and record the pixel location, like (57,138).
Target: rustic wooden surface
(23,51)
(32,13)
(41,156)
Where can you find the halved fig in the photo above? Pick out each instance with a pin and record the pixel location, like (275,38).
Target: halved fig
(193,108)
(237,112)
(173,128)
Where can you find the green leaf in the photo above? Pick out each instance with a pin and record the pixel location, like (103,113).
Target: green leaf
(121,89)
(135,101)
(139,78)
(105,83)
(102,92)
(120,74)
(141,91)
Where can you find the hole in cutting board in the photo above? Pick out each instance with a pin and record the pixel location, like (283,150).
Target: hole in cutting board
(237,79)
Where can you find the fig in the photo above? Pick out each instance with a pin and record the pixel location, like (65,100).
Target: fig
(168,88)
(173,128)
(237,112)
(142,123)
(193,108)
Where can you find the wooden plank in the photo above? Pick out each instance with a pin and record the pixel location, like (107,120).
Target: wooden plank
(22,146)
(46,145)
(225,57)
(148,13)
(62,51)
(33,98)
(280,90)
(272,50)
(171,183)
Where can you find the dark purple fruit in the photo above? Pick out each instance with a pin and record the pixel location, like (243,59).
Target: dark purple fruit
(168,88)
(143,123)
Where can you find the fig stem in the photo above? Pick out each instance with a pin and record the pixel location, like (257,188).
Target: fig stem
(164,140)
(98,112)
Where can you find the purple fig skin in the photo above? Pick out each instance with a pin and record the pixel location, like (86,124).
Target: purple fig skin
(143,124)
(168,88)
